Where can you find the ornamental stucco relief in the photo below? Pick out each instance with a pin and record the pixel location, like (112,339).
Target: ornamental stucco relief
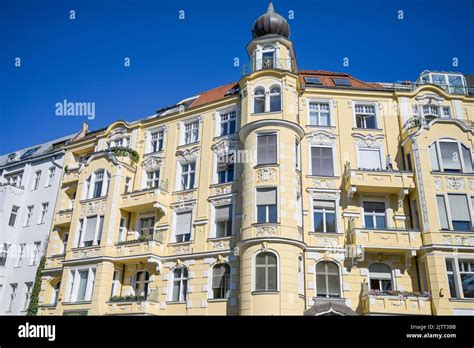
(266,174)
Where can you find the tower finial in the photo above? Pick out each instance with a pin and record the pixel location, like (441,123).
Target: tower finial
(270,6)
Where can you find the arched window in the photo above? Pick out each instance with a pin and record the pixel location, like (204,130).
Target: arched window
(220,281)
(259,100)
(97,184)
(327,280)
(275,99)
(380,276)
(56,287)
(180,284)
(140,283)
(266,272)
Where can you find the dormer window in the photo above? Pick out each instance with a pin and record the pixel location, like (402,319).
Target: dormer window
(268,59)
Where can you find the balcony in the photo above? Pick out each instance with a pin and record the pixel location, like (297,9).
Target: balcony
(136,307)
(400,304)
(63,217)
(70,175)
(138,247)
(377,181)
(54,261)
(268,64)
(145,200)
(388,238)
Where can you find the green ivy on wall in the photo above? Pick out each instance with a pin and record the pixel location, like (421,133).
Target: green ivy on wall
(33,306)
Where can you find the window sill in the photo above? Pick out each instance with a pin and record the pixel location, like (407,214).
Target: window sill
(189,144)
(266,113)
(175,302)
(451,173)
(216,239)
(317,126)
(181,243)
(334,177)
(368,129)
(258,224)
(76,303)
(85,247)
(455,299)
(326,233)
(264,165)
(185,191)
(265,292)
(456,231)
(93,199)
(217,300)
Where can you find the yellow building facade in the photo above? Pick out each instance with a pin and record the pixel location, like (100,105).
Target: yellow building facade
(289,192)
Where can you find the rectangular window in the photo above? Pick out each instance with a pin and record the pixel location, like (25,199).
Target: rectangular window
(446,112)
(36,253)
(28,290)
(91,225)
(29,215)
(460,278)
(183,226)
(156,141)
(266,149)
(20,255)
(267,205)
(147,227)
(374,215)
(223,221)
(36,180)
(13,216)
(365,116)
(319,114)
(44,211)
(98,182)
(297,155)
(188,172)
(82,285)
(191,132)
(450,156)
(49,182)
(4,254)
(228,122)
(369,159)
(460,217)
(322,161)
(324,215)
(152,179)
(128,183)
(225,168)
(13,288)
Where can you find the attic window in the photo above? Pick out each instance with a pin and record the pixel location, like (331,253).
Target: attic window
(29,152)
(12,157)
(313,81)
(342,82)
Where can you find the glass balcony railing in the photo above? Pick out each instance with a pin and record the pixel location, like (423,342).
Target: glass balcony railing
(268,64)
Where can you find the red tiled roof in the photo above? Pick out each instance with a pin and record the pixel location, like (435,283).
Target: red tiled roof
(213,95)
(327,76)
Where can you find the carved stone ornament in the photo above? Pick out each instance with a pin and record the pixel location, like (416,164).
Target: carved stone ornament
(224,146)
(182,249)
(368,140)
(184,197)
(266,231)
(321,137)
(266,174)
(324,183)
(327,241)
(93,207)
(220,245)
(264,246)
(222,190)
(187,155)
(438,184)
(454,183)
(152,162)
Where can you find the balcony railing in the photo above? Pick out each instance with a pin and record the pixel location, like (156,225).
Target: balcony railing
(419,121)
(268,64)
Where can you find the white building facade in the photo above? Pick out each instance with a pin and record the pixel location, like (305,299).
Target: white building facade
(29,182)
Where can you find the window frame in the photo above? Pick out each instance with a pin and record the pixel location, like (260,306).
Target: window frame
(375,105)
(439,158)
(225,288)
(267,209)
(456,273)
(329,102)
(333,153)
(277,147)
(254,269)
(447,205)
(183,280)
(380,279)
(327,274)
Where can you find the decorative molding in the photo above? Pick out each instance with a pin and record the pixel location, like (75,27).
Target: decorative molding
(368,140)
(266,231)
(182,197)
(187,155)
(93,207)
(454,183)
(327,241)
(438,182)
(152,162)
(458,240)
(224,146)
(321,137)
(221,245)
(182,249)
(222,190)
(324,183)
(266,174)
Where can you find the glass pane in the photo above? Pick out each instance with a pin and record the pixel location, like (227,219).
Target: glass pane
(259,105)
(452,285)
(450,156)
(330,222)
(261,259)
(380,221)
(82,285)
(369,221)
(386,284)
(370,122)
(261,213)
(467,281)
(275,103)
(466,155)
(318,222)
(260,279)
(333,284)
(443,217)
(272,214)
(321,285)
(374,284)
(176,288)
(272,279)
(324,119)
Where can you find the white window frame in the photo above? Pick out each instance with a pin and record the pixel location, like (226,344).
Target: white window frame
(392,275)
(210,293)
(43,213)
(73,284)
(447,203)
(266,95)
(175,220)
(460,154)
(50,179)
(377,199)
(330,103)
(27,297)
(267,132)
(149,142)
(334,161)
(254,270)
(380,150)
(339,270)
(336,214)
(213,229)
(139,227)
(183,131)
(183,297)
(277,188)
(150,183)
(457,274)
(29,215)
(14,212)
(378,123)
(83,228)
(36,180)
(219,123)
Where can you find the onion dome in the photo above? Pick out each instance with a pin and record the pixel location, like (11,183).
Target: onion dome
(271,23)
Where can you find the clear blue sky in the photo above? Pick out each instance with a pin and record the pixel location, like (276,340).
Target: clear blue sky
(82,60)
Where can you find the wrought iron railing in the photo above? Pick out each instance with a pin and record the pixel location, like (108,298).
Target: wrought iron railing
(268,63)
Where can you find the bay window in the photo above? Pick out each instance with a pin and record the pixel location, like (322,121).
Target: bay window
(266,272)
(460,275)
(451,157)
(453,212)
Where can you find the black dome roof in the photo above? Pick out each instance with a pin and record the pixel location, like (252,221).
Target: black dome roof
(271,23)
